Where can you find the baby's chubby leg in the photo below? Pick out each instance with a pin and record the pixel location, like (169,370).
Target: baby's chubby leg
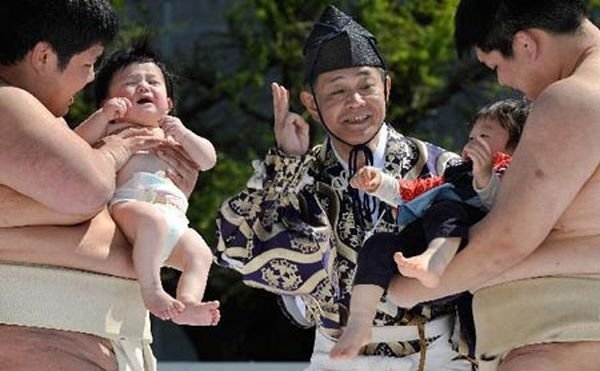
(147,230)
(445,224)
(194,258)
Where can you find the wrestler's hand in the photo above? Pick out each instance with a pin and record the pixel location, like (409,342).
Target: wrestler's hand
(367,178)
(116,108)
(121,145)
(478,151)
(291,130)
(182,170)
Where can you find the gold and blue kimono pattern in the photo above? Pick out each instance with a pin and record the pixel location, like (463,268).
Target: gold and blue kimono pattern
(293,232)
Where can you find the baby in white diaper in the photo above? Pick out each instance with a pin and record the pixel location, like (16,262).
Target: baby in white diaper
(135,90)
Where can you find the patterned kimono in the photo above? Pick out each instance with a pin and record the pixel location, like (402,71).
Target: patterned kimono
(293,231)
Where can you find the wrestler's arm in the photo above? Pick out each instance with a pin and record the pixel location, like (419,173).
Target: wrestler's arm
(43,159)
(556,257)
(95,245)
(532,198)
(19,210)
(47,171)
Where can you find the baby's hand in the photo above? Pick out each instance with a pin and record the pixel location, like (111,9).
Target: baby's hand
(116,108)
(173,127)
(479,152)
(368,179)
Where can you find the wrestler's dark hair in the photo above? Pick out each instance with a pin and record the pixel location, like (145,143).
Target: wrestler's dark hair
(139,52)
(492,24)
(511,114)
(69,26)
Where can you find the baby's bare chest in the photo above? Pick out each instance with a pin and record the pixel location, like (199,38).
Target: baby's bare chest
(141,161)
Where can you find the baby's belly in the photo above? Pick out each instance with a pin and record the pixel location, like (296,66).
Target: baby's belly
(140,162)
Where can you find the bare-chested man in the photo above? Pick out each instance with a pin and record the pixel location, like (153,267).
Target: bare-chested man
(53,192)
(536,253)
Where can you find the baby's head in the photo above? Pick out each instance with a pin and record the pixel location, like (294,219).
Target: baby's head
(500,124)
(137,74)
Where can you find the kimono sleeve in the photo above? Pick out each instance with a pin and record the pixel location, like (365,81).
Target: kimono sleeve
(275,233)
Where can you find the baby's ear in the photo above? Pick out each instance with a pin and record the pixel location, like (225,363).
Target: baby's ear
(170,104)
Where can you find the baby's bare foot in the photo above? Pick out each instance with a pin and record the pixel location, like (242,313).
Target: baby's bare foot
(199,314)
(161,304)
(353,338)
(418,267)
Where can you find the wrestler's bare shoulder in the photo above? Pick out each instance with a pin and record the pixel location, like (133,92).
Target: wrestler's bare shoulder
(12,97)
(18,105)
(561,90)
(583,85)
(571,104)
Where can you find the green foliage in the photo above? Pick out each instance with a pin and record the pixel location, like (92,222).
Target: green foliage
(117,4)
(214,186)
(594,10)
(416,40)
(270,36)
(415,37)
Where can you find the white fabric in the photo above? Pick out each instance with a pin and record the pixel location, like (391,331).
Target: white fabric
(378,161)
(488,194)
(388,191)
(164,195)
(538,310)
(132,356)
(177,224)
(378,155)
(154,188)
(296,308)
(78,301)
(440,355)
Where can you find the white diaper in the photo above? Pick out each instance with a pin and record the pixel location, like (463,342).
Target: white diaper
(160,191)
